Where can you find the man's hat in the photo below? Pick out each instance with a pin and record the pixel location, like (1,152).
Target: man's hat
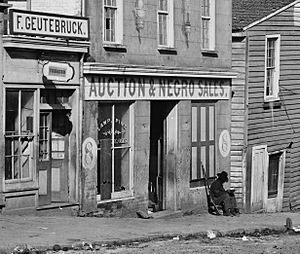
(223,176)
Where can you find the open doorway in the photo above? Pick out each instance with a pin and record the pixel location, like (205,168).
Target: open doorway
(159,112)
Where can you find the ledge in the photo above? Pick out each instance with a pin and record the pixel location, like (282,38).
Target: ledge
(115,48)
(210,53)
(39,43)
(167,51)
(272,104)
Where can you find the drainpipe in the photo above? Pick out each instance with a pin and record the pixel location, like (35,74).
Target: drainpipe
(3,7)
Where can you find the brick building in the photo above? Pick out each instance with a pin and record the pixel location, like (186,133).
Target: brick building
(156,104)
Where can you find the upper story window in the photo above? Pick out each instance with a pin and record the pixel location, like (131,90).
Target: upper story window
(113,21)
(272,60)
(165,23)
(208,24)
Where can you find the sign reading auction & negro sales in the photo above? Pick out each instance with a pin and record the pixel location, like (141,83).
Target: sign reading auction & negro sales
(100,87)
(46,24)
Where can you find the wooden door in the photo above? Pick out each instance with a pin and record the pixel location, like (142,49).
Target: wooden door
(44,165)
(61,128)
(259,183)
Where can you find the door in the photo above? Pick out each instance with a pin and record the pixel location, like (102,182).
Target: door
(60,133)
(259,178)
(55,129)
(44,164)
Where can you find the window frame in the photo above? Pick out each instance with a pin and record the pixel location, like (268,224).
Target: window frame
(169,22)
(276,68)
(124,193)
(211,18)
(118,24)
(30,136)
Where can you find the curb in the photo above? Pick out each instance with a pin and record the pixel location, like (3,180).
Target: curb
(97,245)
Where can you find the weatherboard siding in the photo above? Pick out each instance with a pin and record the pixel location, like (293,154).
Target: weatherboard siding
(277,127)
(238,121)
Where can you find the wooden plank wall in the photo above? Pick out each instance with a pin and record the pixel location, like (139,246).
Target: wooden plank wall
(238,120)
(277,127)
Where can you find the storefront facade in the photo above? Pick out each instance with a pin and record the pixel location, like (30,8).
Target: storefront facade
(41,110)
(156,104)
(146,138)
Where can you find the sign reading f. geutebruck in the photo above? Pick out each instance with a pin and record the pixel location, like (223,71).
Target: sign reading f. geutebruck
(48,24)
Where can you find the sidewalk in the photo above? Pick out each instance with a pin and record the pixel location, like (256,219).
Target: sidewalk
(45,231)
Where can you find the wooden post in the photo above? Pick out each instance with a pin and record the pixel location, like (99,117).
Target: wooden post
(3,7)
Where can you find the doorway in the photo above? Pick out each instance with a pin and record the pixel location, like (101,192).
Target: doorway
(54,130)
(159,111)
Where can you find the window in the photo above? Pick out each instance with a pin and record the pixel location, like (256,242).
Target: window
(113,21)
(114,134)
(273,174)
(19,115)
(203,142)
(165,23)
(208,24)
(272,54)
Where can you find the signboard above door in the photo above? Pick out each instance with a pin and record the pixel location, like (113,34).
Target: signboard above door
(48,24)
(102,87)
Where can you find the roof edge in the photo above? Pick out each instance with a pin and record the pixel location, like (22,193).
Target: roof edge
(270,15)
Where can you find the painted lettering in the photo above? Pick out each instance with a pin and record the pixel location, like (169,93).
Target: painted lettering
(19,21)
(141,87)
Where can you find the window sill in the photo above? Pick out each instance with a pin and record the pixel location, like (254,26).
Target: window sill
(115,48)
(210,53)
(272,104)
(167,51)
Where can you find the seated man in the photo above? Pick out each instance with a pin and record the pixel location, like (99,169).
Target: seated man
(219,195)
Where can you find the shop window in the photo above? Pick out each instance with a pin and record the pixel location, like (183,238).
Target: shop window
(113,21)
(272,55)
(208,24)
(165,23)
(273,174)
(203,143)
(114,134)
(19,115)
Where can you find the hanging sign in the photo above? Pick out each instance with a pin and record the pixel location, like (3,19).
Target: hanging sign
(48,24)
(58,71)
(147,88)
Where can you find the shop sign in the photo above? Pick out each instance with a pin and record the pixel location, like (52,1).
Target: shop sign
(58,71)
(46,24)
(147,88)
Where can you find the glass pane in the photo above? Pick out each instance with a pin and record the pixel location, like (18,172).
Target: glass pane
(27,100)
(194,163)
(194,124)
(203,124)
(121,169)
(205,7)
(163,5)
(12,105)
(121,125)
(162,33)
(110,20)
(104,122)
(205,33)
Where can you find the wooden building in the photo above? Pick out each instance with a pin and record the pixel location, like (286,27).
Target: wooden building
(156,104)
(42,53)
(265,156)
